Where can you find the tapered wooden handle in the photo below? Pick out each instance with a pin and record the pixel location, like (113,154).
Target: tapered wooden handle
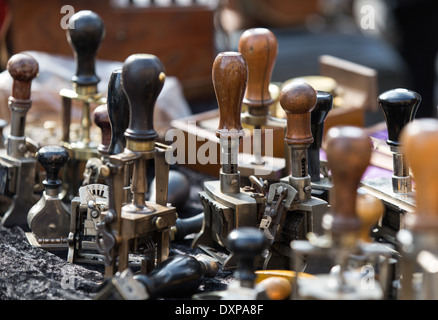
(85,34)
(230,75)
(143,77)
(23,68)
(324,103)
(298,99)
(259,47)
(246,243)
(349,151)
(178,276)
(399,107)
(118,112)
(369,210)
(419,140)
(52,158)
(101,119)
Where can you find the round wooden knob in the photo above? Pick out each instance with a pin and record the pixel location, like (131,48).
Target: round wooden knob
(143,78)
(101,119)
(276,288)
(230,74)
(348,153)
(52,158)
(118,112)
(246,243)
(298,99)
(419,141)
(85,34)
(23,68)
(399,107)
(259,47)
(369,210)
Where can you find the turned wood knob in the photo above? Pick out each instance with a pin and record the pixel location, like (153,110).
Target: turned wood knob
(101,119)
(246,244)
(348,154)
(143,78)
(118,112)
(259,47)
(298,99)
(230,74)
(419,140)
(52,158)
(399,107)
(85,34)
(369,210)
(23,68)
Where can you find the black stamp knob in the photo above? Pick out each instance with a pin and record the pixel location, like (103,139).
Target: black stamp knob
(85,34)
(52,158)
(118,112)
(143,77)
(399,107)
(247,244)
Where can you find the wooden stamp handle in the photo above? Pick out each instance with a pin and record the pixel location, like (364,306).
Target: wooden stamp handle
(399,107)
(246,243)
(101,119)
(324,103)
(298,99)
(419,141)
(259,47)
(349,151)
(85,34)
(369,210)
(230,75)
(143,79)
(52,158)
(23,68)
(118,113)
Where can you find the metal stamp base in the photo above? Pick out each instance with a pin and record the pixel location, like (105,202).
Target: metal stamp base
(382,189)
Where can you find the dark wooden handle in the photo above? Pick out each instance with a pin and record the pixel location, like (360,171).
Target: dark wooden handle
(324,103)
(143,78)
(101,119)
(298,99)
(259,47)
(52,158)
(246,243)
(23,68)
(230,75)
(118,112)
(177,276)
(85,34)
(399,107)
(419,140)
(348,153)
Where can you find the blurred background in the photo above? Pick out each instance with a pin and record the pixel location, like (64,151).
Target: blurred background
(397,38)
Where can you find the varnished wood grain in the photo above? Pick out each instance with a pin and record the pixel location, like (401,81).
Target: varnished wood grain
(259,47)
(298,99)
(23,68)
(419,140)
(230,75)
(349,151)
